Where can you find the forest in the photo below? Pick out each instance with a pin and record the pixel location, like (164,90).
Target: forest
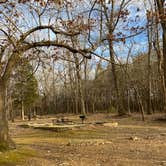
(91,73)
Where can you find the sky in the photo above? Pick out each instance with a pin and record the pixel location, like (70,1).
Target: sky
(139,43)
(137,17)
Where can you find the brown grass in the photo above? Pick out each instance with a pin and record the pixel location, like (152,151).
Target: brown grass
(94,145)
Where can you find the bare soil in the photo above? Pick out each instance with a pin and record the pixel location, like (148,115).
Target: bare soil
(131,143)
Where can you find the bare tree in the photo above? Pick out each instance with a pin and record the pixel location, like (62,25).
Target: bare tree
(161,14)
(16,41)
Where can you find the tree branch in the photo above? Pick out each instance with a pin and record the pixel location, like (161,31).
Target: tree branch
(48,43)
(26,34)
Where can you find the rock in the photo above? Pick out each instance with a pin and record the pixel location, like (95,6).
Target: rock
(99,123)
(108,142)
(63,164)
(96,143)
(163,163)
(163,134)
(68,144)
(134,138)
(115,124)
(150,137)
(101,143)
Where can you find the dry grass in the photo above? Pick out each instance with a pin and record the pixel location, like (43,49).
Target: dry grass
(94,145)
(15,157)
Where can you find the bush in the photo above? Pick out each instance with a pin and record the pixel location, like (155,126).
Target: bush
(112,109)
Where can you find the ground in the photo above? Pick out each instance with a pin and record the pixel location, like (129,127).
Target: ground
(131,143)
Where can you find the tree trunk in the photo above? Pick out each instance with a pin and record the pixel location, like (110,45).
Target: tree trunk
(12,116)
(22,110)
(164,65)
(141,108)
(29,114)
(160,64)
(128,102)
(149,33)
(118,103)
(79,86)
(5,141)
(164,52)
(81,96)
(76,99)
(34,112)
(161,10)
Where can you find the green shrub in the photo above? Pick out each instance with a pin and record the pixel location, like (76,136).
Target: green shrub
(112,109)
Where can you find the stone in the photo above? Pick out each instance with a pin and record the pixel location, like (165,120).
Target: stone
(115,124)
(134,138)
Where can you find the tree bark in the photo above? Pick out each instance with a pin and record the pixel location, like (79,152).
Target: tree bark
(164,65)
(128,102)
(22,110)
(149,33)
(5,141)
(161,10)
(119,106)
(140,104)
(80,90)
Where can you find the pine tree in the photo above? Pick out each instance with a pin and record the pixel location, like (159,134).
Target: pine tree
(25,91)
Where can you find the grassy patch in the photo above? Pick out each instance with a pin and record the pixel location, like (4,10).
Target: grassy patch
(3,146)
(39,134)
(59,137)
(14,157)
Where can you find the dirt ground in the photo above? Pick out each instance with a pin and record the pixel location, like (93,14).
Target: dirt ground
(131,143)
